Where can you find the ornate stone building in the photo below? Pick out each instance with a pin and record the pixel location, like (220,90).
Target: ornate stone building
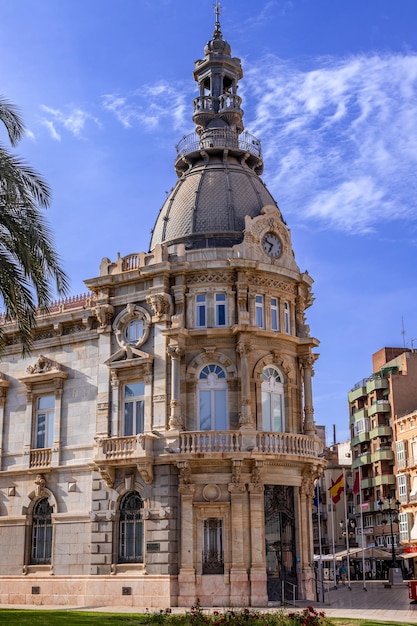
(159,445)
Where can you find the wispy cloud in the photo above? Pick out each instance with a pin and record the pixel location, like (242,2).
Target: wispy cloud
(344,136)
(150,106)
(73,121)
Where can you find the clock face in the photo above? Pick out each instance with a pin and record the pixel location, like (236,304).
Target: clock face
(272,245)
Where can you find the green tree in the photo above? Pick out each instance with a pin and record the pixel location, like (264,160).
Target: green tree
(29,265)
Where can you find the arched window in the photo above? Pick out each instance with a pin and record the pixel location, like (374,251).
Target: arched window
(272,390)
(41,543)
(212,398)
(131,529)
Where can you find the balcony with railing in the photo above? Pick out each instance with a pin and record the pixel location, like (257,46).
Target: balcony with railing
(40,458)
(380,406)
(221,138)
(125,450)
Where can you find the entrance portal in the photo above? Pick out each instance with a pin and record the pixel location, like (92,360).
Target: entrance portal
(280,542)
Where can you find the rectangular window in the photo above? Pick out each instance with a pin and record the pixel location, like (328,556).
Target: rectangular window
(403,526)
(133,408)
(213,559)
(201,311)
(44,426)
(220,301)
(401,456)
(287,322)
(402,488)
(259,311)
(274,314)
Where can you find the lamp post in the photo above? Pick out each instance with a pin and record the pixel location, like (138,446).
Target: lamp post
(348,527)
(392,512)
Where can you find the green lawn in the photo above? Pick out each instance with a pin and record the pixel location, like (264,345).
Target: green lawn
(41,617)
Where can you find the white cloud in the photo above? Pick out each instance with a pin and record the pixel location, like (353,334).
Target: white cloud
(73,120)
(52,130)
(344,135)
(150,106)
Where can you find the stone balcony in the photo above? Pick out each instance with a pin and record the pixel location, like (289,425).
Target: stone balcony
(128,450)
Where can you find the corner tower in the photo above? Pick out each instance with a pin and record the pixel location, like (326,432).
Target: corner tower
(218,165)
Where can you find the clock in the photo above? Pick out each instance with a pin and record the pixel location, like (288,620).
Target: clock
(272,245)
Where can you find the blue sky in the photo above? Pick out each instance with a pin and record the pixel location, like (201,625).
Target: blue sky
(330,88)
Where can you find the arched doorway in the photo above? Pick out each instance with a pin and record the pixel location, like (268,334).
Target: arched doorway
(280,542)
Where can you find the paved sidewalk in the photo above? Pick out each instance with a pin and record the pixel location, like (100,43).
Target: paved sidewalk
(380,603)
(377,602)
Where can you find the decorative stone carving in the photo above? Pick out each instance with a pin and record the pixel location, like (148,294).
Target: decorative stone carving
(184,472)
(108,475)
(104,314)
(43,365)
(40,484)
(211,493)
(161,304)
(146,472)
(256,472)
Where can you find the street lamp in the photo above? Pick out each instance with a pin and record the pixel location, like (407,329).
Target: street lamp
(392,512)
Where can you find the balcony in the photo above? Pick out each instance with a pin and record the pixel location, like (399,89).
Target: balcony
(384,479)
(128,450)
(358,391)
(219,138)
(372,384)
(383,454)
(380,406)
(360,438)
(40,458)
(362,459)
(380,431)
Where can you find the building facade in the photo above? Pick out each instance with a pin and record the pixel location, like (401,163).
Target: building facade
(159,445)
(378,408)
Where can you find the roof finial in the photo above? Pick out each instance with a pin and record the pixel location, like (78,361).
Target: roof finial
(217,32)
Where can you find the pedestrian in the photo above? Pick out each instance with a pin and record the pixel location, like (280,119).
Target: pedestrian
(343,571)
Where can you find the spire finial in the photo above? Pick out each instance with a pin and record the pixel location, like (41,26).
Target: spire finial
(217,32)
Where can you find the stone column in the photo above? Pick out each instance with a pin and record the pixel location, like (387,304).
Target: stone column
(239,587)
(104,313)
(186,576)
(56,446)
(307,363)
(245,418)
(258,591)
(306,580)
(175,419)
(4,384)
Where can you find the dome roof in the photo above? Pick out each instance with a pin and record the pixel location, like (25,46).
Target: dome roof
(208,205)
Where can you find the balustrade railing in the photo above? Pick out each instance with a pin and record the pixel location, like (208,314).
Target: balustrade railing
(286,443)
(219,138)
(41,457)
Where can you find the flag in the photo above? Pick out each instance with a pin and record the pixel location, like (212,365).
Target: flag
(355,487)
(336,488)
(317,496)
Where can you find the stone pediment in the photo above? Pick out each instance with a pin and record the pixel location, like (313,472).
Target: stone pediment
(127,355)
(44,370)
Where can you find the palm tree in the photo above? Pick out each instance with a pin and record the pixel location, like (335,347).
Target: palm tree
(29,265)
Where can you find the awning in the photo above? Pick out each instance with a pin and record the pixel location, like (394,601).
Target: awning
(409,555)
(356,554)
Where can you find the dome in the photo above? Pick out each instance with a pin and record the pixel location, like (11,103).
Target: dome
(208,205)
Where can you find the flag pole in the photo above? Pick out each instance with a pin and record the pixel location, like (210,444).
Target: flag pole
(326,476)
(346,529)
(362,533)
(321,580)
